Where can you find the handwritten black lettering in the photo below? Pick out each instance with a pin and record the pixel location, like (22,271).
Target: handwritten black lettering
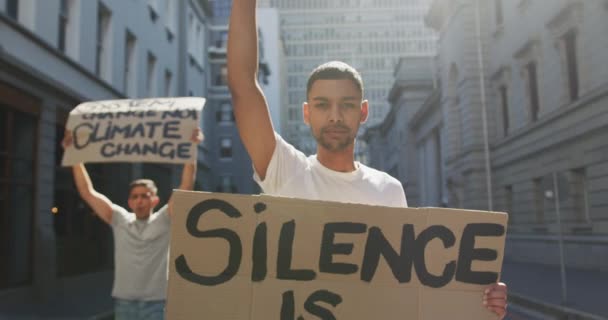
(236,248)
(377,245)
(426,278)
(329,248)
(468,253)
(284,256)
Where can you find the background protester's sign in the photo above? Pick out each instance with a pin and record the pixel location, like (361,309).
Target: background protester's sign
(262,257)
(143,130)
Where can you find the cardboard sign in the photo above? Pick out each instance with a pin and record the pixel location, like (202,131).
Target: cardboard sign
(144,130)
(262,257)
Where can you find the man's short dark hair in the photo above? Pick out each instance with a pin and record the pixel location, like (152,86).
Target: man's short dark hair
(143,183)
(335,70)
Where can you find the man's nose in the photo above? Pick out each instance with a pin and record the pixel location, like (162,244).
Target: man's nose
(335,114)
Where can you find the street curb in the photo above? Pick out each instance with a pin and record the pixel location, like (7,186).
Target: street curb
(108,315)
(552,309)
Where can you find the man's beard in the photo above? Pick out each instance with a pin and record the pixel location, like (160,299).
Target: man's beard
(334,145)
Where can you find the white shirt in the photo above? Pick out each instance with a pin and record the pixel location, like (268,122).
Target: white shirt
(140,254)
(291,174)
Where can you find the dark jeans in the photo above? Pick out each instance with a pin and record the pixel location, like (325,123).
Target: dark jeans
(136,310)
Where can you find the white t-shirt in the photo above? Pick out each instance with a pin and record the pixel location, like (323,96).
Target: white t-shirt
(291,174)
(140,254)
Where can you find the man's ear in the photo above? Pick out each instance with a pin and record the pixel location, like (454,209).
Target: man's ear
(306,113)
(155,200)
(364,111)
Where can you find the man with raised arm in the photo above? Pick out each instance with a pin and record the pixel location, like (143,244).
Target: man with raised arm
(334,110)
(141,240)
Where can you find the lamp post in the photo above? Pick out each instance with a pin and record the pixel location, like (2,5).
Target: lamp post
(554,194)
(484,120)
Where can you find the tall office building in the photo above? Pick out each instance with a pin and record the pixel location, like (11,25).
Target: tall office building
(232,166)
(232,169)
(371,35)
(221,11)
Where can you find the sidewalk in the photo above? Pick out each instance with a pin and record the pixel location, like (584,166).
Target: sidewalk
(586,289)
(89,297)
(85,297)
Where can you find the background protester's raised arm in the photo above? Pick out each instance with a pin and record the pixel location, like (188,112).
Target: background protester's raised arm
(189,169)
(250,106)
(97,201)
(101,205)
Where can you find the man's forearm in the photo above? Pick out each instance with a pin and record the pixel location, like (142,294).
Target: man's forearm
(249,104)
(98,202)
(188,176)
(242,46)
(82,180)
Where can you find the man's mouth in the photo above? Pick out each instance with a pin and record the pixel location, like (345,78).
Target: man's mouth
(336,130)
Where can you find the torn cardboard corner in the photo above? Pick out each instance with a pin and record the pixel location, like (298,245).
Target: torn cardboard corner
(263,257)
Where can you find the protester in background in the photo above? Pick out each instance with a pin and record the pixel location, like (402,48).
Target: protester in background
(141,239)
(334,110)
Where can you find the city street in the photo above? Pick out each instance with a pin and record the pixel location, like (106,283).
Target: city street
(490,116)
(585,289)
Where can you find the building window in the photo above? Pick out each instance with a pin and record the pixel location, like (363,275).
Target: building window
(226,185)
(18,144)
(295,114)
(539,200)
(64,15)
(103,39)
(198,41)
(456,126)
(263,73)
(501,81)
(498,14)
(528,57)
(130,73)
(222,39)
(12,9)
(226,148)
(221,75)
(151,79)
(191,34)
(225,113)
(532,74)
(579,194)
(504,104)
(571,64)
(564,27)
(168,83)
(509,203)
